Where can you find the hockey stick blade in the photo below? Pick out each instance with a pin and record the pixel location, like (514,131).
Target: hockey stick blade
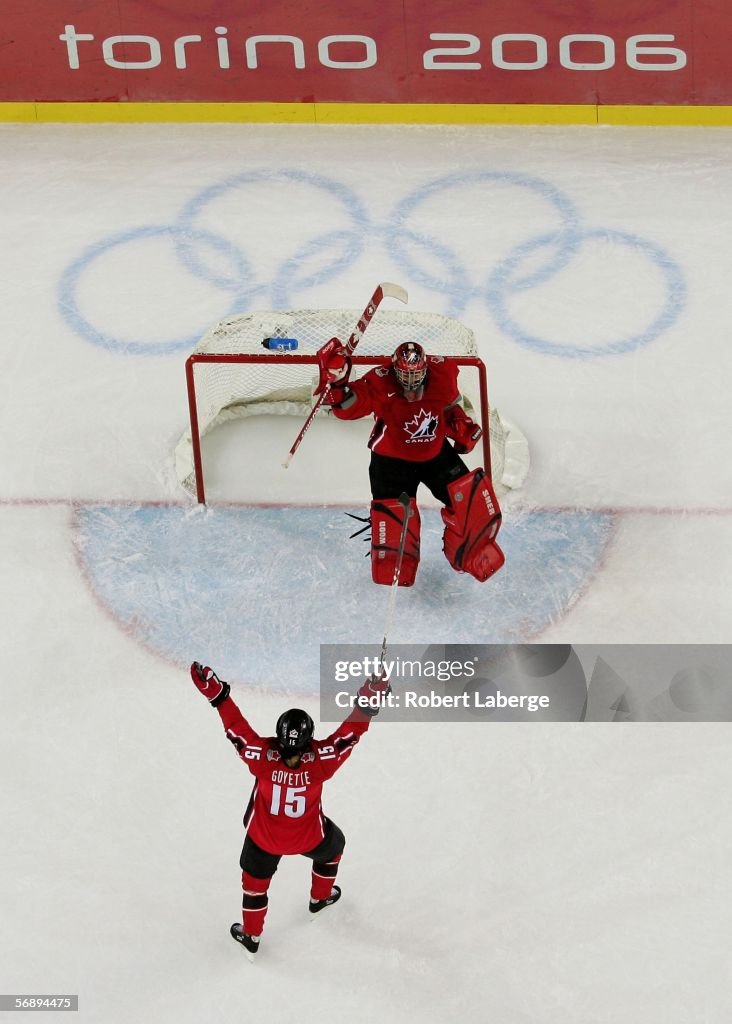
(394,291)
(384,290)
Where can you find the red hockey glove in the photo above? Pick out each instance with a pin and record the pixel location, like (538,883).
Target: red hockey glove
(336,394)
(334,364)
(462,430)
(215,690)
(371,695)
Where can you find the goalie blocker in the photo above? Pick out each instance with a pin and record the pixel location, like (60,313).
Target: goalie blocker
(471,523)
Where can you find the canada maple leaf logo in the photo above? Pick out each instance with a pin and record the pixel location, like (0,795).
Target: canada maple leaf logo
(421,427)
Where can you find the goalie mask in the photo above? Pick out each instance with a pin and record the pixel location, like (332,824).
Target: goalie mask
(294,732)
(410,369)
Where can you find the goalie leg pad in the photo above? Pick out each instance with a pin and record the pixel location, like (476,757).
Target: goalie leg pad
(471,525)
(386,530)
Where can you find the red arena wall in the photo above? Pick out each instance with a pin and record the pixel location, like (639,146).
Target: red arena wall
(354,51)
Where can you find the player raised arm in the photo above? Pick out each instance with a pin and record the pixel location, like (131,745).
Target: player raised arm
(239,732)
(335,750)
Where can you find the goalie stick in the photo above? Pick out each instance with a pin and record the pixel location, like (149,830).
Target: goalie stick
(383,290)
(404,502)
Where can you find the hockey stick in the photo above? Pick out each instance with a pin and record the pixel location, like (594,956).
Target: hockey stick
(384,290)
(404,502)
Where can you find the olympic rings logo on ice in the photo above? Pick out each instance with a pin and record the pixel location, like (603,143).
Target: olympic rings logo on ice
(533,283)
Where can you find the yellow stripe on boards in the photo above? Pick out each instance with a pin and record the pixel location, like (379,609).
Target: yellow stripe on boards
(663,115)
(177,112)
(454,113)
(368,113)
(18,112)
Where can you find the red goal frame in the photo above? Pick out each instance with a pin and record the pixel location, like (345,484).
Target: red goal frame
(290,359)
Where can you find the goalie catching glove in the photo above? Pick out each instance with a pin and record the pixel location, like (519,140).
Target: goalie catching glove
(462,430)
(334,366)
(215,690)
(372,695)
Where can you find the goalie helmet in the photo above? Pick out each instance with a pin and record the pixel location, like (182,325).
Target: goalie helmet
(294,732)
(410,365)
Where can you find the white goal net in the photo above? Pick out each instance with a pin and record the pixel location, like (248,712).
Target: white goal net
(263,363)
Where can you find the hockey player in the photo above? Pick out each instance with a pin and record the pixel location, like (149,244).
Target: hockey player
(415,403)
(284,814)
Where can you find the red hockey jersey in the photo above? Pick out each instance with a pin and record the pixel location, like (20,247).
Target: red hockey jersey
(404,430)
(284,814)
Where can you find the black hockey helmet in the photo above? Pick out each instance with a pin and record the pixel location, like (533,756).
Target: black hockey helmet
(294,732)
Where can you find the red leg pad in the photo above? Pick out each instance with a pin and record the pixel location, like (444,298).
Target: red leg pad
(387,515)
(471,525)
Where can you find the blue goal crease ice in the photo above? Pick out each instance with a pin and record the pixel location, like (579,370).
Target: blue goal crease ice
(254,591)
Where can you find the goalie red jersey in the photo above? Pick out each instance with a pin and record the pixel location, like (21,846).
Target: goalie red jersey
(404,428)
(284,814)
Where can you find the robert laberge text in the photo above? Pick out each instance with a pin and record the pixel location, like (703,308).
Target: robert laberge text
(412,699)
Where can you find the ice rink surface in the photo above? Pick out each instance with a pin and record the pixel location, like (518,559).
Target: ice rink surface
(538,874)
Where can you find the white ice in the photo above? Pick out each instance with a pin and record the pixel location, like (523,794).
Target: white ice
(538,874)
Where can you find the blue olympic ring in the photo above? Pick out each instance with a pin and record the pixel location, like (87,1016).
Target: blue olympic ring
(69,303)
(458,288)
(217,260)
(286,279)
(501,285)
